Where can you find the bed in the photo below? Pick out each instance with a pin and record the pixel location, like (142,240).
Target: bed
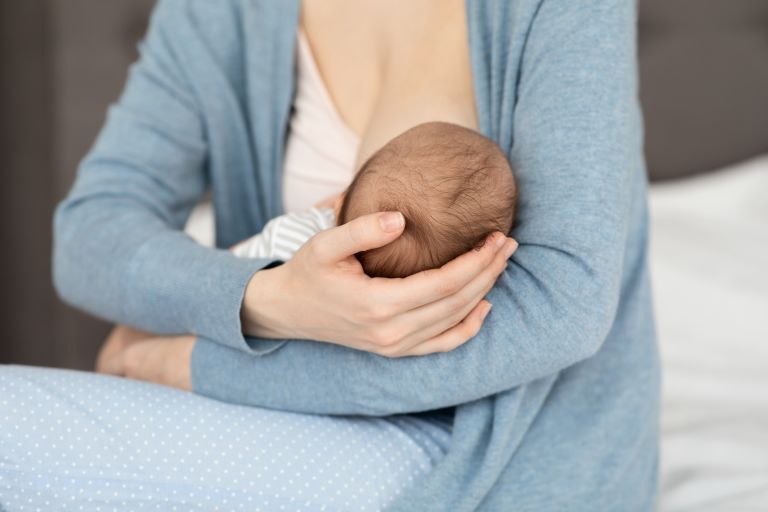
(709,258)
(704,88)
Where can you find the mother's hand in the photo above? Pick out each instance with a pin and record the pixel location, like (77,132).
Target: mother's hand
(323,294)
(143,356)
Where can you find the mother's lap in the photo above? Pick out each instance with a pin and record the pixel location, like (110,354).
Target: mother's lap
(81,441)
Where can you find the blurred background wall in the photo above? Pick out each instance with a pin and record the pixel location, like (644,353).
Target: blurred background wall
(61,63)
(704,76)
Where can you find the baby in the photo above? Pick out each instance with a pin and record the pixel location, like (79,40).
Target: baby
(453,186)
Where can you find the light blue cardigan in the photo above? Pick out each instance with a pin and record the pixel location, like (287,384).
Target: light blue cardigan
(557,396)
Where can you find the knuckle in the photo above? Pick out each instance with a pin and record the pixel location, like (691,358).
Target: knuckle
(382,338)
(448,286)
(374,312)
(392,351)
(385,311)
(396,336)
(455,305)
(371,336)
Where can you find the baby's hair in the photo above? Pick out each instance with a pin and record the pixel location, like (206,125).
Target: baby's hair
(453,185)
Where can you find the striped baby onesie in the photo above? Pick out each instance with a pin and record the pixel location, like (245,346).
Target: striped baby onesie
(283,235)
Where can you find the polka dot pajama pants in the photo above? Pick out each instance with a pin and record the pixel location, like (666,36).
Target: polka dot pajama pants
(76,441)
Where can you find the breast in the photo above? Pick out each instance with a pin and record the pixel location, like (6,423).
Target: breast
(389,66)
(321,149)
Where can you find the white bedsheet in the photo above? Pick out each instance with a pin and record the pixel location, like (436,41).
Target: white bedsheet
(709,253)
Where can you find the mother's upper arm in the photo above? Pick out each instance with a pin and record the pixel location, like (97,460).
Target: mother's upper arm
(119,248)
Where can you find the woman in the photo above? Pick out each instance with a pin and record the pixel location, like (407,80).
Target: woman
(552,405)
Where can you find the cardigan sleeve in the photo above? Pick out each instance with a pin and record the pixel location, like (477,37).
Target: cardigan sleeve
(577,154)
(119,249)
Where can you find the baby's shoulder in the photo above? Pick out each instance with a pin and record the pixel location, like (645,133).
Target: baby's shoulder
(312,220)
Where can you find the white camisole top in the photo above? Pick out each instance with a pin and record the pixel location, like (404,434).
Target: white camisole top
(321,149)
(320,155)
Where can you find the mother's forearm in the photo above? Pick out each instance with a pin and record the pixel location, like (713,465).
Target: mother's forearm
(519,343)
(165,284)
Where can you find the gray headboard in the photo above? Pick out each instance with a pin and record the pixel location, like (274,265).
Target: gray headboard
(704,83)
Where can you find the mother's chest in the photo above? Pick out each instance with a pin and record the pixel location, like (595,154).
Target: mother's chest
(391,69)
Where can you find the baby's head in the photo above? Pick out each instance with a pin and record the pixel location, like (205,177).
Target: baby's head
(453,186)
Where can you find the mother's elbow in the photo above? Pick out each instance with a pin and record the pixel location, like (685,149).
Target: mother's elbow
(76,257)
(589,321)
(63,273)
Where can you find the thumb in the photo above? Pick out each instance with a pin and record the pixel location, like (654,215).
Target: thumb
(360,234)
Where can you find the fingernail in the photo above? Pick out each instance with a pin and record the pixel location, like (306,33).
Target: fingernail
(511,248)
(500,241)
(391,221)
(487,310)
